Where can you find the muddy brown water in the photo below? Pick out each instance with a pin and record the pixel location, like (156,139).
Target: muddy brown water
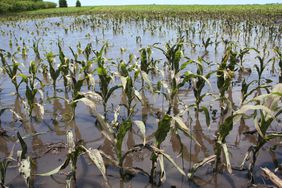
(46,138)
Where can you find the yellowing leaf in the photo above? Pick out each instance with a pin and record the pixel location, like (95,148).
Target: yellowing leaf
(141,126)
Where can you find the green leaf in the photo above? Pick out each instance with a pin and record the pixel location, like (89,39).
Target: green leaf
(184,65)
(207,114)
(23,146)
(163,129)
(124,127)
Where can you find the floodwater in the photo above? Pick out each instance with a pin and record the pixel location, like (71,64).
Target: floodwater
(46,138)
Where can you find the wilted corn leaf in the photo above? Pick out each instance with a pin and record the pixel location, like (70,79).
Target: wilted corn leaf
(58,169)
(107,131)
(227,158)
(93,96)
(163,173)
(123,81)
(182,126)
(18,117)
(25,169)
(70,142)
(89,103)
(141,126)
(97,159)
(40,110)
(24,162)
(245,108)
(147,80)
(205,161)
(138,95)
(156,150)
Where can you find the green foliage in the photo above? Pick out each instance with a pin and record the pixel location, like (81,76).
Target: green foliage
(163,129)
(78,4)
(63,3)
(23,5)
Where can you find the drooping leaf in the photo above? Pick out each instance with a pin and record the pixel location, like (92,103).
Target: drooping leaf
(23,146)
(141,126)
(169,159)
(56,170)
(182,126)
(207,114)
(196,166)
(163,173)
(97,159)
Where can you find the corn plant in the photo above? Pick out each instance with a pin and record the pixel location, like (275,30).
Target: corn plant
(266,107)
(173,54)
(225,71)
(263,118)
(75,150)
(31,88)
(24,162)
(279,57)
(199,82)
(35,46)
(86,65)
(4,164)
(128,87)
(105,79)
(11,70)
(64,66)
(206,43)
(261,67)
(54,73)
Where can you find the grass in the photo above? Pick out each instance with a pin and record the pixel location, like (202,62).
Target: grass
(268,11)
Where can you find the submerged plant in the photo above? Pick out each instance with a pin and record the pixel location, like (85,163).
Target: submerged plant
(75,150)
(105,79)
(12,70)
(32,82)
(54,73)
(263,119)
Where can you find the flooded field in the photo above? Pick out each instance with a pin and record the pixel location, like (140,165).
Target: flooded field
(169,102)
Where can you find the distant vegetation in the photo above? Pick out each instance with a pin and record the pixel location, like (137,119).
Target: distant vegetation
(24,5)
(78,4)
(63,3)
(268,14)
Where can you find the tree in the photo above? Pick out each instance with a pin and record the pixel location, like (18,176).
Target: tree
(63,3)
(78,4)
